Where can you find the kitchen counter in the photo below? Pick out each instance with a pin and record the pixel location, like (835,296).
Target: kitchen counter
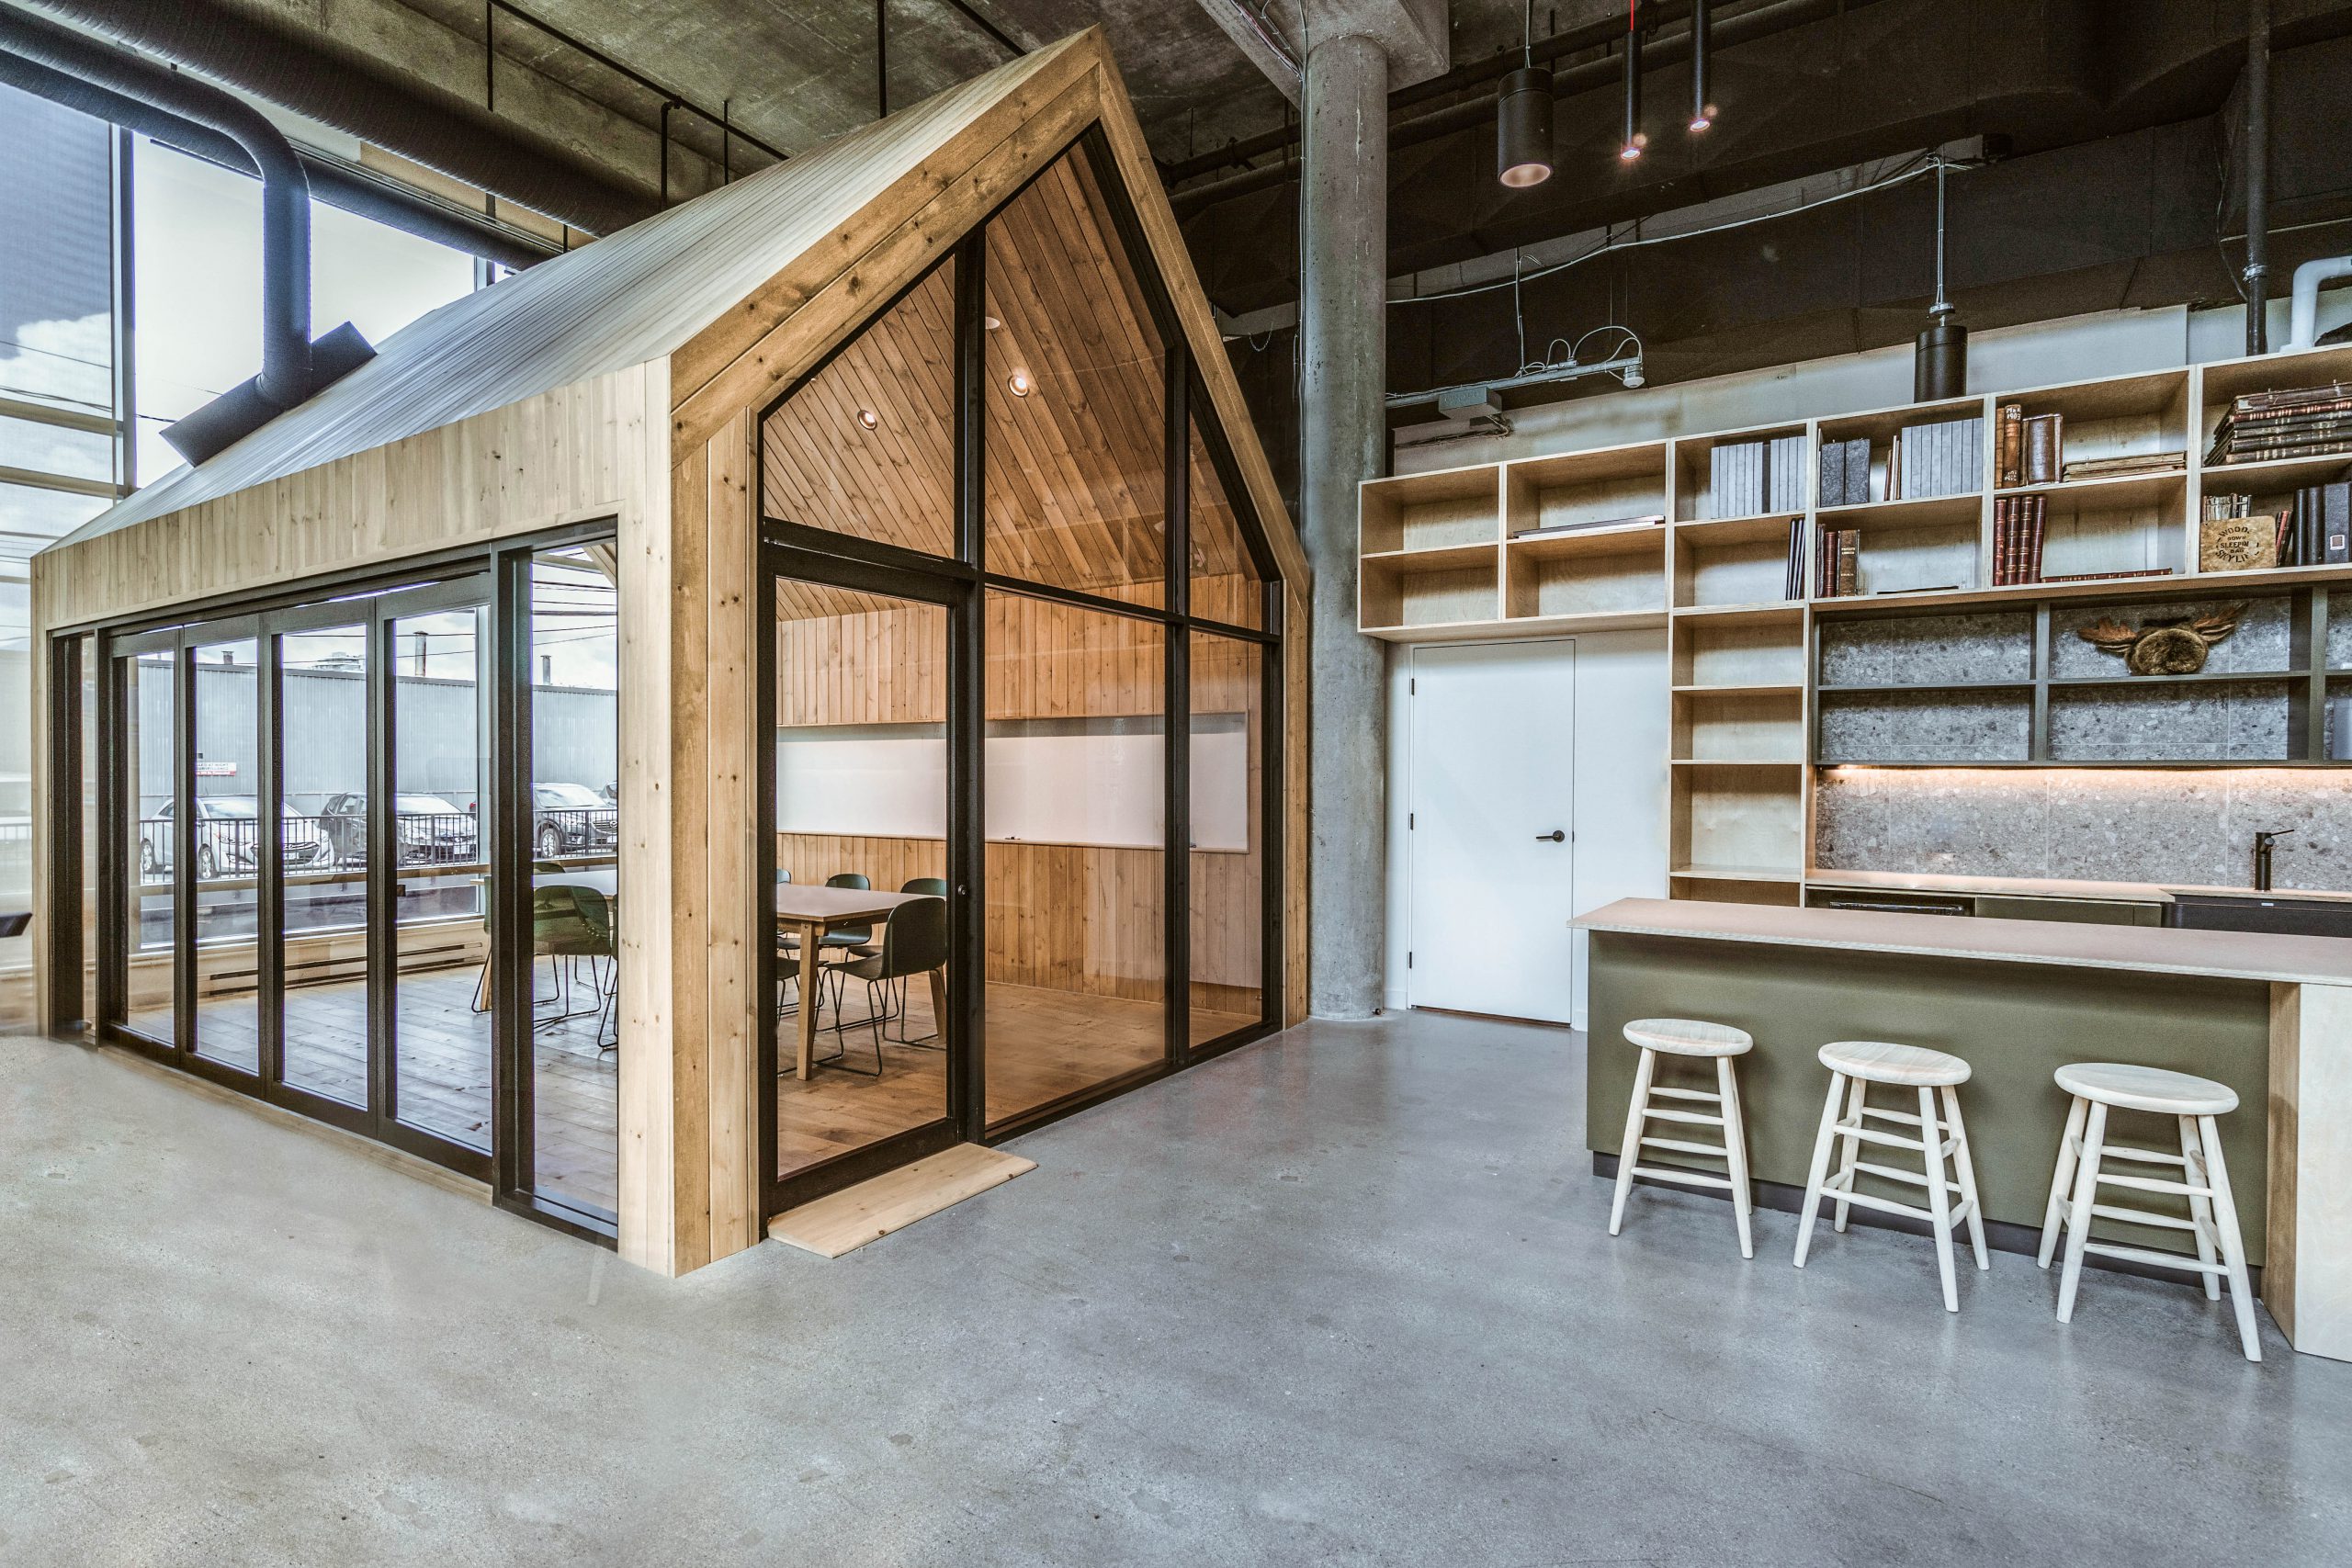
(2270,1016)
(2046,887)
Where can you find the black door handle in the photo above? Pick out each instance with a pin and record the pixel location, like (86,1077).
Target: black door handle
(1557,836)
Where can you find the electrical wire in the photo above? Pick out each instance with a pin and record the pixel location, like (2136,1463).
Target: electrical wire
(1638,241)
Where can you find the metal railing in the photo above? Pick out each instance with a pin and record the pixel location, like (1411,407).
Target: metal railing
(228,848)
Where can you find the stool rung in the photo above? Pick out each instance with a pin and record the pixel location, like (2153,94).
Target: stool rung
(1707,1095)
(1892,1174)
(1697,1118)
(2159,1260)
(1906,1117)
(2156,1184)
(1884,1205)
(1872,1135)
(1683,1146)
(2141,1217)
(2146,1156)
(1690,1177)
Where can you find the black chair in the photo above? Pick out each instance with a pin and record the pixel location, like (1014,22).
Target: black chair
(914,943)
(933,888)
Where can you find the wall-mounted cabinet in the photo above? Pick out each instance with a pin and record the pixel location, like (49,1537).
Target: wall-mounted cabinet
(1940,651)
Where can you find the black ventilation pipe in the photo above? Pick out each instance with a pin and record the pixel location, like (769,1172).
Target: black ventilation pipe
(383,200)
(285,379)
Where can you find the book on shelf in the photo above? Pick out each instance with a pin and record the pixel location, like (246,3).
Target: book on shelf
(1792,586)
(1844,471)
(2118,576)
(2297,422)
(1551,530)
(1748,479)
(1838,563)
(2121,467)
(2043,458)
(2009,446)
(1940,457)
(2018,522)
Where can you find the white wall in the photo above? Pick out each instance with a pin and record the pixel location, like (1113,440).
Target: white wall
(1619,806)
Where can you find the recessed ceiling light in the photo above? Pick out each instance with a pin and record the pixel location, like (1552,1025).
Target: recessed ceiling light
(869,419)
(990,322)
(1020,384)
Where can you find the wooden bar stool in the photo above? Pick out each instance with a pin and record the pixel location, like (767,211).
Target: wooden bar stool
(2192,1102)
(1686,1037)
(1854,1066)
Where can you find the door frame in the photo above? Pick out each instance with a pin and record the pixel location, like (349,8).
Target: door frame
(961,1121)
(1412,844)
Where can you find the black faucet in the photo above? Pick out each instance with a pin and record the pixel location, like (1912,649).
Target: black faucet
(2262,840)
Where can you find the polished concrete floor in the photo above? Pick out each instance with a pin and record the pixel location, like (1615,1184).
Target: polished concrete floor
(1344,1297)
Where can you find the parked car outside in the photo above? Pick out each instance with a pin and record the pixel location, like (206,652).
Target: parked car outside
(571,819)
(227,840)
(430,829)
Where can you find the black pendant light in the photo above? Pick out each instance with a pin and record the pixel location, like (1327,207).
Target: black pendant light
(1630,147)
(1523,119)
(1702,108)
(1939,363)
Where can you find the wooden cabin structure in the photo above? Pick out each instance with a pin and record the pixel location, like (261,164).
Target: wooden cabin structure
(882,516)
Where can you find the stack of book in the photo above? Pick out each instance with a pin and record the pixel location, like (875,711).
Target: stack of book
(1943,457)
(1845,472)
(1748,479)
(2018,524)
(1838,564)
(2030,449)
(2315,530)
(2318,530)
(2303,422)
(2121,467)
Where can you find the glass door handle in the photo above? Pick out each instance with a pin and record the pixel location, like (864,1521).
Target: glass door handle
(1557,836)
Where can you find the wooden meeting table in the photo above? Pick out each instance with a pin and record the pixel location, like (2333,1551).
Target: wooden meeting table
(807,912)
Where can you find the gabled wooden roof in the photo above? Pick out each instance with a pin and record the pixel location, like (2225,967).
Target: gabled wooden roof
(743,288)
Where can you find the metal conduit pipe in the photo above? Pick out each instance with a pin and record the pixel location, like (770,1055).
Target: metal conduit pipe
(285,377)
(2303,329)
(381,200)
(439,131)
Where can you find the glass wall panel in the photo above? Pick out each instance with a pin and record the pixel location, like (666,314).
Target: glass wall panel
(1075,397)
(440,765)
(1227,770)
(868,446)
(229,797)
(861,787)
(576,892)
(1225,585)
(149,764)
(1076,805)
(322,719)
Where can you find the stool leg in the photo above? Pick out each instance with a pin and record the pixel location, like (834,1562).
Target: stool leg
(1966,1168)
(2078,1219)
(1820,1166)
(2201,1210)
(1939,1200)
(2225,1220)
(1629,1153)
(1736,1152)
(2053,1213)
(1857,1096)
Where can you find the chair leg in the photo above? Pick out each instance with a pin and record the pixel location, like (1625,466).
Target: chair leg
(1629,1152)
(873,1019)
(1857,1097)
(1820,1167)
(1938,1197)
(2200,1208)
(1965,1167)
(2225,1220)
(2078,1219)
(2053,1213)
(1736,1152)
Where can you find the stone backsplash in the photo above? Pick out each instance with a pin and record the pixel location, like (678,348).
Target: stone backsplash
(2176,827)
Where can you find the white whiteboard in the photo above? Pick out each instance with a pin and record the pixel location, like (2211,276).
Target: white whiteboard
(1086,784)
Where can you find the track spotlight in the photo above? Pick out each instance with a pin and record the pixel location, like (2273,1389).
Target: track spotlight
(1702,111)
(1523,119)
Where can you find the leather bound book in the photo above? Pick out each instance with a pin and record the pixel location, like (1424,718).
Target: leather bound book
(2038,514)
(2010,447)
(2040,464)
(2001,542)
(1849,561)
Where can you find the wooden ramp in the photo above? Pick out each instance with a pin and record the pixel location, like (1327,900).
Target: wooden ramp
(845,1221)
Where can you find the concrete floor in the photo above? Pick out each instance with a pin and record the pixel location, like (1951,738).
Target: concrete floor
(1345,1298)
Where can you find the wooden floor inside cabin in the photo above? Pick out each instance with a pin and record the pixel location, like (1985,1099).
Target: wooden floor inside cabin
(1044,1045)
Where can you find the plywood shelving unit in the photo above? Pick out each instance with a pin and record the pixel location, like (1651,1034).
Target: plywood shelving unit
(1446,558)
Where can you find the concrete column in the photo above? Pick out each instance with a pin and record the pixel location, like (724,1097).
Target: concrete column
(1343,335)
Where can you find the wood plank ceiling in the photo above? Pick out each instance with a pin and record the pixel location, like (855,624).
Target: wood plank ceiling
(1074,486)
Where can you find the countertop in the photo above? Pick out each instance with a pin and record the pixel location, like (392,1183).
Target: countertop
(2153,950)
(2045,887)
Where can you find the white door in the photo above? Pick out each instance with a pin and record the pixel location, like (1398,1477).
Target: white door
(1491,762)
